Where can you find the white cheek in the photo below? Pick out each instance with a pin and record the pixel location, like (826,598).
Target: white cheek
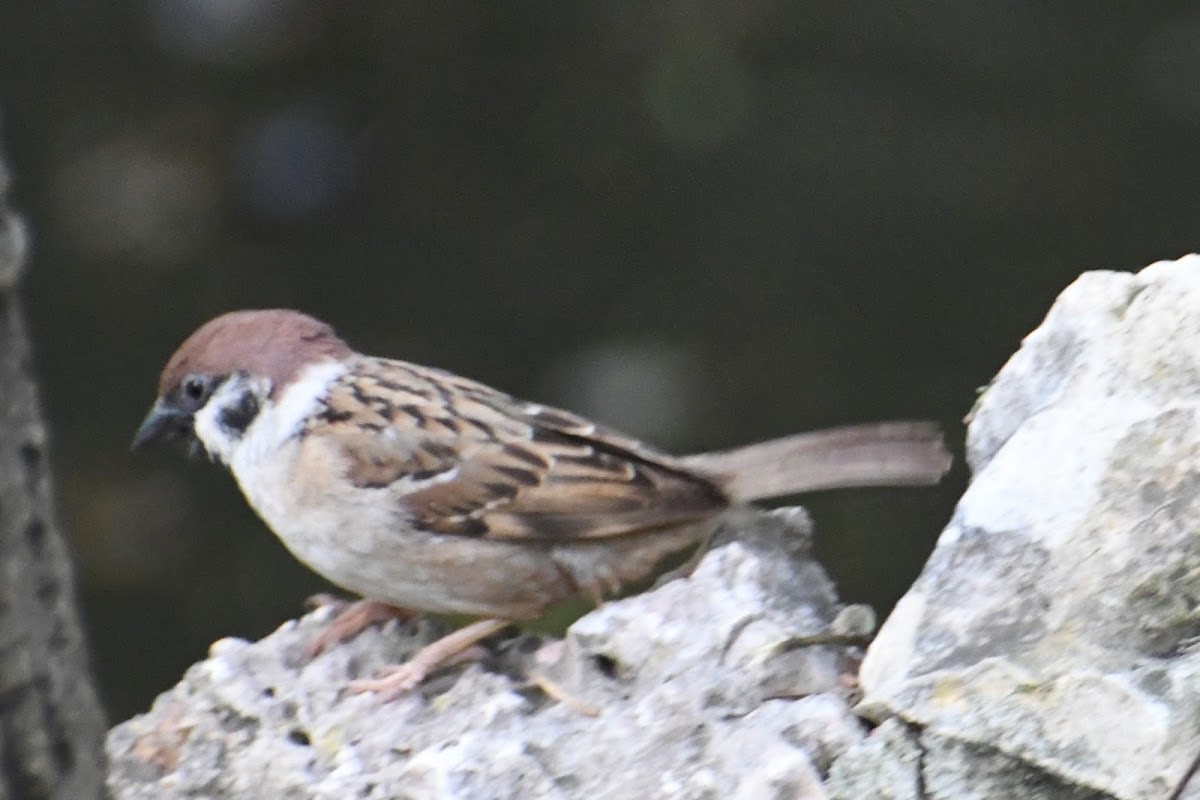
(278,421)
(215,438)
(207,430)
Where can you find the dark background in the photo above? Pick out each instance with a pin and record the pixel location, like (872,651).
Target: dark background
(703,222)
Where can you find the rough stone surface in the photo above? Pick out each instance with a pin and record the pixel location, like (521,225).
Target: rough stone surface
(1050,641)
(887,765)
(708,686)
(956,770)
(1049,649)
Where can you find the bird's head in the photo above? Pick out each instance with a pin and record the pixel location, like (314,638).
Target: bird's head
(221,378)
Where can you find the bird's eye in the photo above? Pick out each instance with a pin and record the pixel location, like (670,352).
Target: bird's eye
(194,387)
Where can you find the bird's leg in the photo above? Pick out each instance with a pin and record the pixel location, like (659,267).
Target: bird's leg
(351,620)
(398,679)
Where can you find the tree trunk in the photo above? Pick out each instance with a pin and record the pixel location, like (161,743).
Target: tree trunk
(51,725)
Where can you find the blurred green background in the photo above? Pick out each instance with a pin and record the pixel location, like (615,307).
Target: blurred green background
(705,223)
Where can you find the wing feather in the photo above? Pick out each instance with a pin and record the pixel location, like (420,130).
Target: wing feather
(463,458)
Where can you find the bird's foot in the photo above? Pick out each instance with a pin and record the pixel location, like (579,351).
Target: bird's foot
(352,618)
(451,649)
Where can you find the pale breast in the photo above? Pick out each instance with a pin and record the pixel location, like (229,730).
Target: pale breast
(360,540)
(326,523)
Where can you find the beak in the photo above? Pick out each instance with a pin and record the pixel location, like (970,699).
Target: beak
(165,422)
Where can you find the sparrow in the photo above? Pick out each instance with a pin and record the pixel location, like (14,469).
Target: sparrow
(421,490)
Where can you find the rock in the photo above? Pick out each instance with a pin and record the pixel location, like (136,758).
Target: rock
(1051,640)
(1049,649)
(887,765)
(712,685)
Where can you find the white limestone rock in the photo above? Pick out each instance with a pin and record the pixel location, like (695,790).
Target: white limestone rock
(1056,621)
(708,686)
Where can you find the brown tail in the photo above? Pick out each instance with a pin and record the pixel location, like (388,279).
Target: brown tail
(881,454)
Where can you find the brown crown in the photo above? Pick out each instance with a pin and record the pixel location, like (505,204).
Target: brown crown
(274,343)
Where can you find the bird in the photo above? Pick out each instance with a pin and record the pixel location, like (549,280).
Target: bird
(425,492)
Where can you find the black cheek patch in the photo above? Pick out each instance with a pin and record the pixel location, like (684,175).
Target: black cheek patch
(238,416)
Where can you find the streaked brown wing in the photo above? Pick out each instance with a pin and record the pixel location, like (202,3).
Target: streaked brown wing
(463,458)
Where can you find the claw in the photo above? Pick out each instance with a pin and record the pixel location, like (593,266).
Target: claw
(450,649)
(351,620)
